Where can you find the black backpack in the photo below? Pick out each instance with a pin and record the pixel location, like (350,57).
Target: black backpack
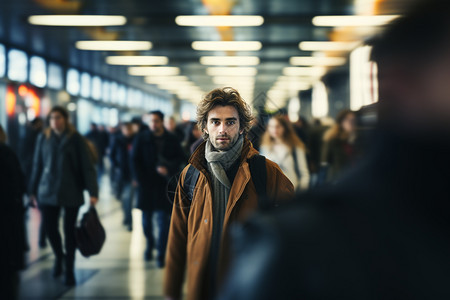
(257,165)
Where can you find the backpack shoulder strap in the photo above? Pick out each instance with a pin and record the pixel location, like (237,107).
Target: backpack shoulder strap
(190,180)
(257,165)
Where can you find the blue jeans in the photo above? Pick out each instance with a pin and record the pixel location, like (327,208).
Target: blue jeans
(127,198)
(161,219)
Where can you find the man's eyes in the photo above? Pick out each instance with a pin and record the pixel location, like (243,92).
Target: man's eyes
(227,122)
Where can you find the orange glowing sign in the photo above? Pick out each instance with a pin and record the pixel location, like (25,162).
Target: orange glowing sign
(35,102)
(23,90)
(10,102)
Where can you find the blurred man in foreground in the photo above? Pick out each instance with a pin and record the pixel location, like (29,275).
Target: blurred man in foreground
(383,231)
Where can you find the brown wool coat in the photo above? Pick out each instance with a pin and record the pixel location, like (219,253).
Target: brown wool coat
(191,223)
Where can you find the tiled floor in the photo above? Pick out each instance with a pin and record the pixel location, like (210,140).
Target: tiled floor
(118,272)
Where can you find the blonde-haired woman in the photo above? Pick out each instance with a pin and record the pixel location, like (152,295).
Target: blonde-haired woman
(281,145)
(338,150)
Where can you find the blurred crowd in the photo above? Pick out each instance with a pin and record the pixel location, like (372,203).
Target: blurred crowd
(142,159)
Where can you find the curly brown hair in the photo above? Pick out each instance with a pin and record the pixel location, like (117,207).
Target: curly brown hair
(226,96)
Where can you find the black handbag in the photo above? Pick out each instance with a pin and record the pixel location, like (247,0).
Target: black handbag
(90,234)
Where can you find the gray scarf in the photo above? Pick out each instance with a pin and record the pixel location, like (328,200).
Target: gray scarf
(218,163)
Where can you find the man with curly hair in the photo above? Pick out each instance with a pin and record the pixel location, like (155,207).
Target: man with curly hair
(225,191)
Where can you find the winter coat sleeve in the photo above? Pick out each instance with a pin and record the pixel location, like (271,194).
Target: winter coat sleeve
(37,166)
(177,243)
(87,167)
(136,159)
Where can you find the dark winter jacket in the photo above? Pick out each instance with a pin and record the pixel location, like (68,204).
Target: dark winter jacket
(121,157)
(12,214)
(62,170)
(382,232)
(152,187)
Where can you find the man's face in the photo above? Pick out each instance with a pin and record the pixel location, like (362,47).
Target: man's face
(155,123)
(223,127)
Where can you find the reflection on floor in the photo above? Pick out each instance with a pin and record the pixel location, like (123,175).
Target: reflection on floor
(118,272)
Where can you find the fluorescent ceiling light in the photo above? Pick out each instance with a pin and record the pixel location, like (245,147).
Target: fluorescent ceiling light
(227,46)
(162,79)
(76,20)
(217,21)
(233,80)
(316,61)
(303,71)
(137,60)
(229,60)
(148,71)
(327,46)
(114,45)
(231,71)
(358,21)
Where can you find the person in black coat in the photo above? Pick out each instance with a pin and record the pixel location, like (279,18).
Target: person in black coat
(157,157)
(382,231)
(121,161)
(62,170)
(12,221)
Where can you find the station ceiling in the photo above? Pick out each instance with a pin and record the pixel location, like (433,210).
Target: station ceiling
(286,23)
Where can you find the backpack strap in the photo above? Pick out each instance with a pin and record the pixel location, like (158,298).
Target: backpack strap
(257,165)
(190,180)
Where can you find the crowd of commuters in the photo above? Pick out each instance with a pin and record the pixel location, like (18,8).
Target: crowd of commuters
(262,208)
(146,155)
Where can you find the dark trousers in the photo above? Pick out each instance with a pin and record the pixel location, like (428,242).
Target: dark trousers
(127,198)
(50,217)
(161,219)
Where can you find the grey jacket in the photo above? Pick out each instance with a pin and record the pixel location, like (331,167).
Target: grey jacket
(62,170)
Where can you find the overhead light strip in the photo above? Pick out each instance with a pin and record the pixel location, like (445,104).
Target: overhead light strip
(327,46)
(76,20)
(218,21)
(137,60)
(231,71)
(353,21)
(230,60)
(316,61)
(227,46)
(148,71)
(113,45)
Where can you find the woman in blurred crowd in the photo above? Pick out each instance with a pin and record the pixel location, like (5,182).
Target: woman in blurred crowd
(281,145)
(12,223)
(62,169)
(338,149)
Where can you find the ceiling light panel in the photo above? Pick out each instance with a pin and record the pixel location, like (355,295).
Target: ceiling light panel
(76,20)
(229,60)
(149,71)
(137,60)
(218,21)
(231,71)
(328,46)
(113,45)
(353,21)
(316,61)
(227,46)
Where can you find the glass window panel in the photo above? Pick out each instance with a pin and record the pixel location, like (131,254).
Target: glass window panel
(55,76)
(73,82)
(17,65)
(38,71)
